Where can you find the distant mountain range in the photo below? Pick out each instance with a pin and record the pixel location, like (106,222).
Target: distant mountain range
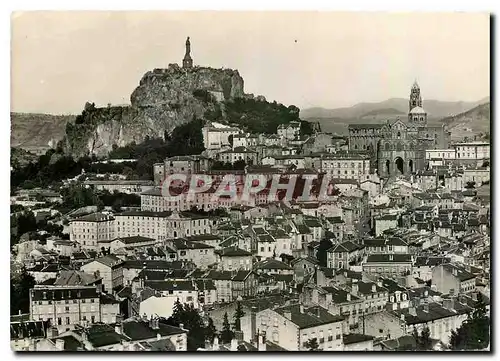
(435,109)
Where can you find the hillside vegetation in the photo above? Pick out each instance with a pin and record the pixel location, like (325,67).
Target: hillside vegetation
(471,123)
(34,132)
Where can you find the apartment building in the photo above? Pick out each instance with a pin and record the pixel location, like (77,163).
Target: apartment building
(346,166)
(453,278)
(131,186)
(109,268)
(472,150)
(161,225)
(66,306)
(199,253)
(249,156)
(91,229)
(292,326)
(440,317)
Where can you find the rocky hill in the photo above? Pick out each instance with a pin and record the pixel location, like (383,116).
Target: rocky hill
(164,99)
(37,132)
(471,123)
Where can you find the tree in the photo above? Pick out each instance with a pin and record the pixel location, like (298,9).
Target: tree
(474,333)
(238,314)
(423,341)
(226,334)
(191,319)
(470,185)
(312,344)
(210,331)
(19,292)
(178,313)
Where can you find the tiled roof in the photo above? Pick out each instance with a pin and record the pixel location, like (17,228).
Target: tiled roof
(135,239)
(351,338)
(25,329)
(110,261)
(184,244)
(430,261)
(57,293)
(75,278)
(392,258)
(339,295)
(94,217)
(311,317)
(167,285)
(435,312)
(271,263)
(233,251)
(460,272)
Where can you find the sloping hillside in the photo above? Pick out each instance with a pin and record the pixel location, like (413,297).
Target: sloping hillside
(34,132)
(434,108)
(385,113)
(473,122)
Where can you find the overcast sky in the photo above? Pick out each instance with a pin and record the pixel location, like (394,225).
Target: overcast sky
(60,60)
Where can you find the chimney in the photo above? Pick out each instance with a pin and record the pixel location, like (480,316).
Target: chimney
(181,326)
(301,308)
(355,289)
(426,293)
(216,344)
(412,311)
(379,283)
(426,307)
(288,315)
(348,297)
(238,335)
(53,332)
(262,343)
(155,324)
(253,323)
(234,345)
(402,317)
(145,318)
(60,344)
(158,336)
(118,328)
(448,303)
(374,288)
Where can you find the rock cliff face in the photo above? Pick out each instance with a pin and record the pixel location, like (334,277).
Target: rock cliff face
(164,99)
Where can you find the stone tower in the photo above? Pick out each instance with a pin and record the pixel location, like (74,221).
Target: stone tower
(415,98)
(416,113)
(187,62)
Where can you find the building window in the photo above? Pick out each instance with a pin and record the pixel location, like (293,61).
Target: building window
(59,321)
(67,321)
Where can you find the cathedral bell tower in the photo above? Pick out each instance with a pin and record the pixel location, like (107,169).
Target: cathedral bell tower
(415,98)
(187,62)
(416,114)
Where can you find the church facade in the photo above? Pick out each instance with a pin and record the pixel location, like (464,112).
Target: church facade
(398,147)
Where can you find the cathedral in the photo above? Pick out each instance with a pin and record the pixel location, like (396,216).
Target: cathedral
(398,147)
